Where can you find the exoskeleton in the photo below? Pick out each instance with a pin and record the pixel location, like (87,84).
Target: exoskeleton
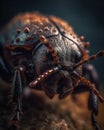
(43,52)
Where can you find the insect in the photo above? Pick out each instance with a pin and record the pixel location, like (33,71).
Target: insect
(43,52)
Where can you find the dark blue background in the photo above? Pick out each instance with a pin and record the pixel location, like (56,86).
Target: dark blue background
(86,17)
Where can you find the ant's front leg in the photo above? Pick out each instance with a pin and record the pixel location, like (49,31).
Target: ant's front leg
(93,99)
(91,85)
(17,97)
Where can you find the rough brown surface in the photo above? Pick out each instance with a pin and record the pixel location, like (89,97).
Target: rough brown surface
(41,113)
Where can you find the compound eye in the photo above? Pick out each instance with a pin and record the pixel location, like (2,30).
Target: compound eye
(77,57)
(49,56)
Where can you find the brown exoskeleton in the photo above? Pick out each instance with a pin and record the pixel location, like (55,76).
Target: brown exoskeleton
(43,52)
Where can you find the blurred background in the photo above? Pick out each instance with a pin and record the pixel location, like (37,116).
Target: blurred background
(85,16)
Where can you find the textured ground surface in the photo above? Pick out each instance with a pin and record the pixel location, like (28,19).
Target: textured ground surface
(41,113)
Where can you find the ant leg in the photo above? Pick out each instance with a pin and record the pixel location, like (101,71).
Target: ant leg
(17,97)
(94,122)
(93,99)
